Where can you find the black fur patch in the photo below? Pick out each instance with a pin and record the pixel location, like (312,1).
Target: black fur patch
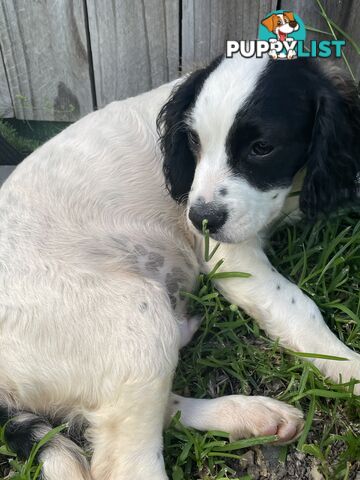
(21,434)
(308,121)
(4,415)
(176,139)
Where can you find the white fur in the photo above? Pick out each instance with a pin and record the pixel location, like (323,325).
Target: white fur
(86,325)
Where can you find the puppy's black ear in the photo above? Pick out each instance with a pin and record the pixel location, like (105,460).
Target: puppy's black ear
(333,165)
(179,159)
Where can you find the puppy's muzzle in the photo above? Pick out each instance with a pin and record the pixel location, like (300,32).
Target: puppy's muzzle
(215,214)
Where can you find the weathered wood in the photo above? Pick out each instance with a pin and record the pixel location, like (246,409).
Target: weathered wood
(208,24)
(345,13)
(135,45)
(6,108)
(45,53)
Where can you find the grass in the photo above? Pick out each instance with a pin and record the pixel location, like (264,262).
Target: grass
(231,355)
(25,136)
(21,144)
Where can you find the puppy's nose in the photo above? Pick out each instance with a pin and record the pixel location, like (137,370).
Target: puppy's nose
(293,23)
(214,214)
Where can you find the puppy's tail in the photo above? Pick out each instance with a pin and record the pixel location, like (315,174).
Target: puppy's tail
(61,458)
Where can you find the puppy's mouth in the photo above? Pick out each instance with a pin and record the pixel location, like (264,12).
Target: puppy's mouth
(219,237)
(282,36)
(216,236)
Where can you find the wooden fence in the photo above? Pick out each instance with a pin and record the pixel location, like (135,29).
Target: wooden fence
(60,59)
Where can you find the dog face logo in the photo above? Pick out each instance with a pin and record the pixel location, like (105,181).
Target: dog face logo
(281,24)
(284,28)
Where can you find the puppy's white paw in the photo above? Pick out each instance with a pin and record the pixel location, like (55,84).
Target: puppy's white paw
(260,416)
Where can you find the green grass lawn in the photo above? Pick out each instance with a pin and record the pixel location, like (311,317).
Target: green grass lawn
(231,355)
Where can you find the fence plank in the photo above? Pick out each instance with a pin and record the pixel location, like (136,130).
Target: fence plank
(207,24)
(135,45)
(6,108)
(345,13)
(45,54)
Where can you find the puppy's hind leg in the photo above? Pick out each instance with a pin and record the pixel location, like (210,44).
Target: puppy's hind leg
(127,435)
(240,416)
(127,424)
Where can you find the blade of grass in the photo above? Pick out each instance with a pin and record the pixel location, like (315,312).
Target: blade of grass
(317,355)
(317,30)
(248,442)
(327,19)
(345,35)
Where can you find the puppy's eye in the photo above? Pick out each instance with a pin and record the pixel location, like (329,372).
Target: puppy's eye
(261,149)
(194,140)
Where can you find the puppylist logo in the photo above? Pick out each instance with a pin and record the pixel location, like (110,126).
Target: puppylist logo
(282,36)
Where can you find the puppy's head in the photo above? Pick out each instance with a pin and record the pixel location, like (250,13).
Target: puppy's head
(235,134)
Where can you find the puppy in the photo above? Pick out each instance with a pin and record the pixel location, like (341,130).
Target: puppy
(281,25)
(94,253)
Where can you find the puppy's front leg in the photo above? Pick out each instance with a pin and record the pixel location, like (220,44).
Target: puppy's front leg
(281,308)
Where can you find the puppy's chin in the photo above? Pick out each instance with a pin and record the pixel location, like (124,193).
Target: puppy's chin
(223,237)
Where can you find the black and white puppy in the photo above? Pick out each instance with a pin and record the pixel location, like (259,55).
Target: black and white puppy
(94,253)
